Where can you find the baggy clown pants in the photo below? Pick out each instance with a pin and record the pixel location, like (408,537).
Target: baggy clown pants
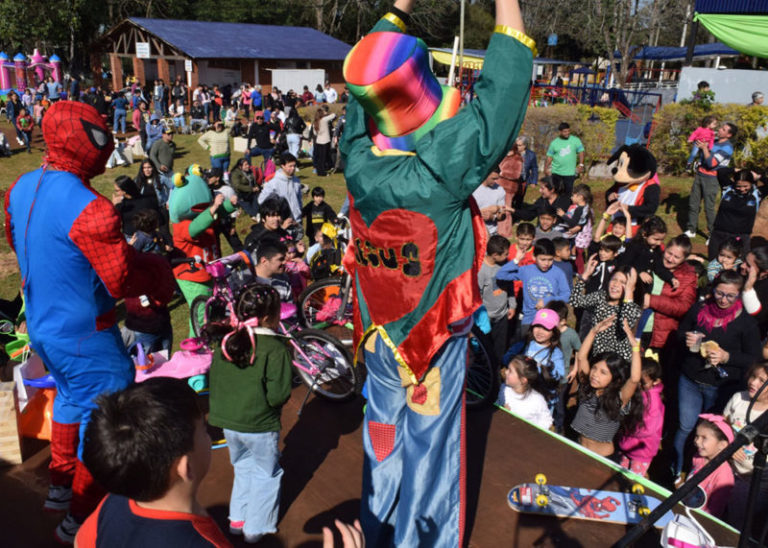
(413,438)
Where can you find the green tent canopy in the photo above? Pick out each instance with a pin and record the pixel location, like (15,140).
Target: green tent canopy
(745,33)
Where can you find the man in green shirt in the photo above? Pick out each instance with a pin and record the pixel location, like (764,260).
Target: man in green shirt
(563,155)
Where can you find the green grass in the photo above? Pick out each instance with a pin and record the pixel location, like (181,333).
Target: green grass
(673,208)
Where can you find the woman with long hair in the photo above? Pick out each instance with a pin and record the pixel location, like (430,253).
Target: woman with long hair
(322,129)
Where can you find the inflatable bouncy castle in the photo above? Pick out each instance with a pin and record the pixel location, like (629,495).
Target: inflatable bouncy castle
(14,73)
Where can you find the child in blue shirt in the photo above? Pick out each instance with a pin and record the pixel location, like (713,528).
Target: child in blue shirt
(541,282)
(563,258)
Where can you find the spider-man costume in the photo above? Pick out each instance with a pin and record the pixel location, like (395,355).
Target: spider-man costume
(74,264)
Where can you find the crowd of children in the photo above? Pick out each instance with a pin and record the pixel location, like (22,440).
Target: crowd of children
(605,382)
(591,380)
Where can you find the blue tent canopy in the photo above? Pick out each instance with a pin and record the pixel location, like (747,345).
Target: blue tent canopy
(742,7)
(210,40)
(669,53)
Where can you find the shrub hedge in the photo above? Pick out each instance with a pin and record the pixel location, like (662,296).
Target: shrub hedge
(675,122)
(595,126)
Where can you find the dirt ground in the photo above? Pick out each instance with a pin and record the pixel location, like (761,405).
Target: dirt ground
(322,458)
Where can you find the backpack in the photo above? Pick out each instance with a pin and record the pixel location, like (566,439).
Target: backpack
(325,263)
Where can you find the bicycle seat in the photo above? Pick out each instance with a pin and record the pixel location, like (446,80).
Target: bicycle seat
(287,310)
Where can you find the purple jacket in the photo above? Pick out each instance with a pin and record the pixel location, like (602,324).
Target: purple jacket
(643,444)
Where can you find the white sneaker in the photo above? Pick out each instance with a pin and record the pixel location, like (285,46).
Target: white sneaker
(690,233)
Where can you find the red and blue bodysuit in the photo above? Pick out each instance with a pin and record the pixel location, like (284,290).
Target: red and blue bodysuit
(74,264)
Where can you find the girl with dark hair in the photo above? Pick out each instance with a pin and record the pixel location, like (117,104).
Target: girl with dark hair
(542,344)
(608,397)
(718,341)
(149,184)
(728,258)
(241,179)
(551,200)
(521,390)
(743,460)
(755,293)
(128,200)
(736,212)
(713,434)
(615,301)
(250,380)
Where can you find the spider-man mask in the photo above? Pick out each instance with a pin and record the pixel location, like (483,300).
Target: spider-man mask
(78,140)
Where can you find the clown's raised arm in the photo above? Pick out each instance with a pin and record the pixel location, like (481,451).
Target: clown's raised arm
(460,151)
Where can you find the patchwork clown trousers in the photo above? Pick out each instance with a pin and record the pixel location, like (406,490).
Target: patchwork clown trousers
(413,437)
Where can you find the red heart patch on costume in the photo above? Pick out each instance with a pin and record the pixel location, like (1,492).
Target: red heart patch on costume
(395,259)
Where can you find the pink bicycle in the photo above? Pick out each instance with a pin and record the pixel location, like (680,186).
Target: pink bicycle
(321,361)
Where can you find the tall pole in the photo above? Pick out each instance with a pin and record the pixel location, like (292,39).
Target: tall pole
(461,47)
(685,24)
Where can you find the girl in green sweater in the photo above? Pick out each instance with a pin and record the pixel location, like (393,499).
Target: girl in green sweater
(250,380)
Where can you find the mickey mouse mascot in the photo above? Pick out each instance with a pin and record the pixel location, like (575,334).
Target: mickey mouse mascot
(636,183)
(74,264)
(413,160)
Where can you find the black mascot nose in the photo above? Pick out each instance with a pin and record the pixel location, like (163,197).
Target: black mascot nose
(615,170)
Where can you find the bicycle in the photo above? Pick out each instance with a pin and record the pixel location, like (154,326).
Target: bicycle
(328,302)
(322,362)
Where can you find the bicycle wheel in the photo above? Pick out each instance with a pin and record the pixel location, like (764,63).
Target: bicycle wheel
(317,298)
(325,365)
(203,308)
(482,370)
(197,313)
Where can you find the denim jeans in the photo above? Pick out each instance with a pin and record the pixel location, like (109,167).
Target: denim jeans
(256,151)
(293,140)
(256,488)
(119,119)
(693,399)
(221,163)
(151,342)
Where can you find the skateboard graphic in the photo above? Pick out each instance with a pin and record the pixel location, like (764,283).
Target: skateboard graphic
(580,503)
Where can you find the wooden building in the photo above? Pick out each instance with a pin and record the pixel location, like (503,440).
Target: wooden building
(211,52)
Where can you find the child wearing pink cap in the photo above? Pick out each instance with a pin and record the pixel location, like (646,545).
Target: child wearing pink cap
(542,344)
(713,434)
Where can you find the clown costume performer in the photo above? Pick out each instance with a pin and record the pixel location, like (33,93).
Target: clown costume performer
(74,264)
(413,160)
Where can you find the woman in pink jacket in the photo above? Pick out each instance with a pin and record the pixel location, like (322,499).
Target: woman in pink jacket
(640,446)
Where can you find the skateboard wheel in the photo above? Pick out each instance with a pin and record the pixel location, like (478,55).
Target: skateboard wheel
(542,500)
(638,489)
(643,511)
(541,479)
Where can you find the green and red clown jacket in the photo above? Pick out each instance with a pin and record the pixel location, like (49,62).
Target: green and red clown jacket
(418,239)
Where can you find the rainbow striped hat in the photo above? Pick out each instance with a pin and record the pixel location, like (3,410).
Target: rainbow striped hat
(389,74)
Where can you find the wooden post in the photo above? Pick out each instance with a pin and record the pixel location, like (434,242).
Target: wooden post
(116,66)
(10,443)
(138,70)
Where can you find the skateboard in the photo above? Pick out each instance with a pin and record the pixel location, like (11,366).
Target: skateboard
(580,503)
